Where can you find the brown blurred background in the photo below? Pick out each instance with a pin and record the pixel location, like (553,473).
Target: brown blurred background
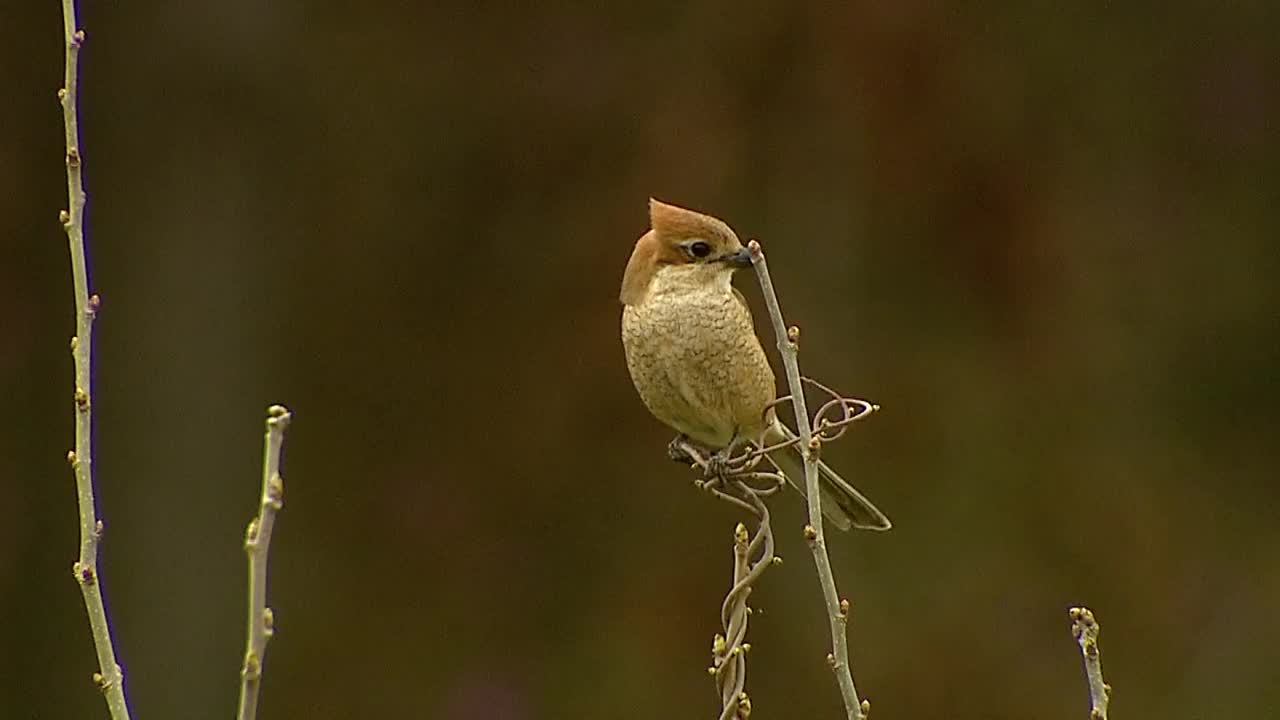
(1044,239)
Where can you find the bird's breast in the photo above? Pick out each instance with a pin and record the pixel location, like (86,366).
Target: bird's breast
(697,365)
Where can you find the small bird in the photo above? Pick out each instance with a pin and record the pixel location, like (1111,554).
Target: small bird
(693,353)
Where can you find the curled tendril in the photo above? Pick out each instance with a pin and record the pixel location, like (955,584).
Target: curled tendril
(832,418)
(830,422)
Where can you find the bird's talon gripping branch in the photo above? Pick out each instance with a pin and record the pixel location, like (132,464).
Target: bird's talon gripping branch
(678,450)
(717,466)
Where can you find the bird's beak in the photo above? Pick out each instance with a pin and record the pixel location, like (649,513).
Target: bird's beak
(740,259)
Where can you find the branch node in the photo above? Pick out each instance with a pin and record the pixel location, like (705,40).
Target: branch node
(278,415)
(810,533)
(793,335)
(84,572)
(64,217)
(73,157)
(844,607)
(82,400)
(77,39)
(275,492)
(252,666)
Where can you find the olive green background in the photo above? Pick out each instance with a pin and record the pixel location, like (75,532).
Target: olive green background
(1043,238)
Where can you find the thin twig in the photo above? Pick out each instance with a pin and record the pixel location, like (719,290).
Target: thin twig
(733,484)
(257,543)
(109,678)
(1084,628)
(810,444)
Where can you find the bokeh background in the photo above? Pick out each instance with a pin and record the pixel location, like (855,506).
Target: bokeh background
(1043,237)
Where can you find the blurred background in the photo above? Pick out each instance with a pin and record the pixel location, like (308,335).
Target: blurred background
(1042,237)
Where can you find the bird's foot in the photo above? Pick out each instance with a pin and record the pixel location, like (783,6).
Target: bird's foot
(717,465)
(680,451)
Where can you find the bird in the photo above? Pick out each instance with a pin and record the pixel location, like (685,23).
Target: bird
(694,357)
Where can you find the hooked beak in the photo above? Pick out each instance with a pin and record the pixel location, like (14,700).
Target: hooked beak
(740,259)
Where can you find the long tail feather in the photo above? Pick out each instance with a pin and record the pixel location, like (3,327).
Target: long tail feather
(842,504)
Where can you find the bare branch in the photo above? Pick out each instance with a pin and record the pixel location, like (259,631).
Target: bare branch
(257,543)
(810,444)
(109,678)
(1085,629)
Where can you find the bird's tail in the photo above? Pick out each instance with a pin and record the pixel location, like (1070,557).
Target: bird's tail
(843,505)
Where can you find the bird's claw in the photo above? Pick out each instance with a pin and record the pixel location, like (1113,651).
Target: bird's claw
(717,465)
(678,450)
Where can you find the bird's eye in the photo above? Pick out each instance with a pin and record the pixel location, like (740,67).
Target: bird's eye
(700,249)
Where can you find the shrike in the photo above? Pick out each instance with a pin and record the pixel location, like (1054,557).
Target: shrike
(694,356)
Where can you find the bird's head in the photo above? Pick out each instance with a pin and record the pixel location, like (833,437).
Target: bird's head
(700,245)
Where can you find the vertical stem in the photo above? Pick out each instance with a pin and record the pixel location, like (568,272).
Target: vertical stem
(1085,629)
(109,678)
(257,543)
(837,610)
